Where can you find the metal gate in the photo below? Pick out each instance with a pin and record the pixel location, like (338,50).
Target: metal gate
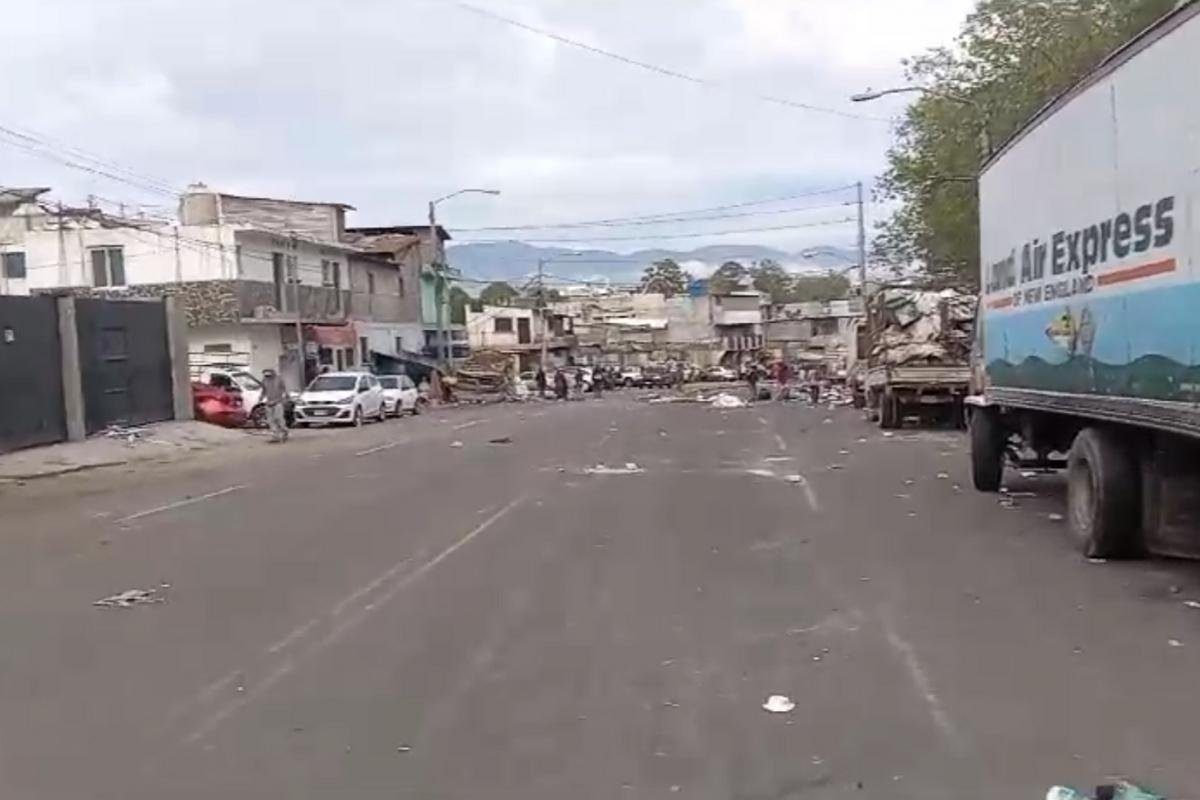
(124,361)
(31,402)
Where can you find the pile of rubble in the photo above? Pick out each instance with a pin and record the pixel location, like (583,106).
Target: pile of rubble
(486,372)
(913,326)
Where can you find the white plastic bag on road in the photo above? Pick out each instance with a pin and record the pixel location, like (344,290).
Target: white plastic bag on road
(778,704)
(726,400)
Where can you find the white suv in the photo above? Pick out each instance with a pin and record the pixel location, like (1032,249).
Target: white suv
(346,398)
(399,394)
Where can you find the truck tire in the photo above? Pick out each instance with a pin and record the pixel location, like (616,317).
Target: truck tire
(889,412)
(1104,492)
(988,441)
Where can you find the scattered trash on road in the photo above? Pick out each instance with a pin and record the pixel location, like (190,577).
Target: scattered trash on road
(629,469)
(760,473)
(835,467)
(778,704)
(1097,560)
(943,476)
(456,444)
(1055,517)
(843,452)
(778,459)
(1028,474)
(888,434)
(403,749)
(501,440)
(1192,603)
(1121,790)
(726,400)
(132,597)
(1174,643)
(794,479)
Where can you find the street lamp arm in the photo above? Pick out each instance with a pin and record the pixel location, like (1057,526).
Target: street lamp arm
(869,95)
(464,191)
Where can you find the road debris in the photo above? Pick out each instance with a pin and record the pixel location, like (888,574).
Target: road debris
(835,467)
(1097,560)
(403,749)
(888,434)
(1192,603)
(501,440)
(778,704)
(726,400)
(1174,643)
(943,476)
(133,597)
(630,468)
(1055,517)
(456,444)
(794,479)
(760,473)
(1121,790)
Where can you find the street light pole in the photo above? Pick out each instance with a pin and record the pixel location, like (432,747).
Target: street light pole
(542,309)
(293,258)
(862,243)
(444,350)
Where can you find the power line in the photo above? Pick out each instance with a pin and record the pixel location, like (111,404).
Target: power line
(19,141)
(670,73)
(35,137)
(651,237)
(655,221)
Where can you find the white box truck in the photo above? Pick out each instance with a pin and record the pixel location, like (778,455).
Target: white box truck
(1088,346)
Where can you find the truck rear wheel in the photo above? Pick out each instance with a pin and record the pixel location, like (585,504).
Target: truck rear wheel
(988,440)
(1104,495)
(889,411)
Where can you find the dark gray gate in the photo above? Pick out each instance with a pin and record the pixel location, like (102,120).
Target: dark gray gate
(124,361)
(31,405)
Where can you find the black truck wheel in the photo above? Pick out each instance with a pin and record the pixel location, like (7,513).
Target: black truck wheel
(988,440)
(889,411)
(1104,494)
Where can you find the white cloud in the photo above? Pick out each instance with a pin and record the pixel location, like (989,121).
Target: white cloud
(390,103)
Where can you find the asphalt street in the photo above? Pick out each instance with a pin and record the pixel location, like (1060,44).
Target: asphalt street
(415,610)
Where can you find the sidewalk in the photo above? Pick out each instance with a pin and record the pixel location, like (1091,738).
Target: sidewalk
(162,441)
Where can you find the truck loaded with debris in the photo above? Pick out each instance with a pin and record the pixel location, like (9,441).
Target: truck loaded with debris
(918,354)
(1089,347)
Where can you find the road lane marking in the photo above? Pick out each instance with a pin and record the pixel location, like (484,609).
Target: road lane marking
(780,443)
(181,503)
(296,635)
(249,693)
(466,425)
(376,449)
(369,587)
(921,681)
(762,421)
(810,494)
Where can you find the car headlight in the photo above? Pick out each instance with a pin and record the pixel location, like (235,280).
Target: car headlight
(345,401)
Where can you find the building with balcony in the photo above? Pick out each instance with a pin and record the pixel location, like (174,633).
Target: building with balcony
(519,331)
(247,272)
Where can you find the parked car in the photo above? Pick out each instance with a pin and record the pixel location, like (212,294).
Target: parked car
(218,405)
(719,373)
(658,376)
(399,395)
(631,376)
(240,380)
(341,398)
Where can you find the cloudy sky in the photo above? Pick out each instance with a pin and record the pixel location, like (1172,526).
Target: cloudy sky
(386,104)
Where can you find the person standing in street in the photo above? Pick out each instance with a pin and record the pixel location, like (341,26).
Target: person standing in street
(752,380)
(560,384)
(540,380)
(274,394)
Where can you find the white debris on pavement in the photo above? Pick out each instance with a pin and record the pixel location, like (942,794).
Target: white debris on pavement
(778,704)
(456,444)
(629,469)
(1055,517)
(726,400)
(130,598)
(1192,603)
(1174,643)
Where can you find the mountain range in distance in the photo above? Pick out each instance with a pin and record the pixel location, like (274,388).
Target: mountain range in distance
(495,261)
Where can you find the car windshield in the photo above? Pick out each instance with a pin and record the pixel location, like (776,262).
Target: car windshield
(333,383)
(389,383)
(247,381)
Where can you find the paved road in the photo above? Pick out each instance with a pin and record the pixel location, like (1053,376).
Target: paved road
(381,614)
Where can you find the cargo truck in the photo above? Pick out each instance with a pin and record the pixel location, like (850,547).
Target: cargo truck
(1087,355)
(918,355)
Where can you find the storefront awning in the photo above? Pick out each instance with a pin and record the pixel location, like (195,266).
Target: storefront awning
(331,335)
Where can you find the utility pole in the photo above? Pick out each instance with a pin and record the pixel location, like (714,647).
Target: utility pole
(862,244)
(439,287)
(292,259)
(542,306)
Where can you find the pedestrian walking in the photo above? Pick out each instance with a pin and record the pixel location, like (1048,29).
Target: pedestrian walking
(752,381)
(560,384)
(274,394)
(597,382)
(540,380)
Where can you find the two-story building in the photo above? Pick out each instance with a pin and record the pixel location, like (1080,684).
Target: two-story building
(263,282)
(519,331)
(420,255)
(815,334)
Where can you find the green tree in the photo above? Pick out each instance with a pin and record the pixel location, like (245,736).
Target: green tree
(773,280)
(727,277)
(458,299)
(498,293)
(830,286)
(665,277)
(1011,57)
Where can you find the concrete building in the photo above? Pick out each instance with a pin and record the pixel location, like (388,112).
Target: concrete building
(244,270)
(815,334)
(415,251)
(519,331)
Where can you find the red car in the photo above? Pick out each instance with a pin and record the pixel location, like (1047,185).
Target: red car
(218,406)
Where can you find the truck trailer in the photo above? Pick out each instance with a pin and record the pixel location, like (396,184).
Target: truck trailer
(1087,355)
